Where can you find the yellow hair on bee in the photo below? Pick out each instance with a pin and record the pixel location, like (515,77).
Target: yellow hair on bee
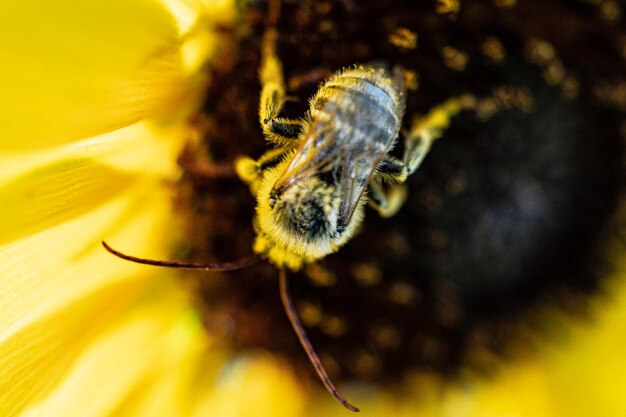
(247,169)
(284,248)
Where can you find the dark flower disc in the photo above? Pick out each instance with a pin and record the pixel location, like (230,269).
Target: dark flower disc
(511,211)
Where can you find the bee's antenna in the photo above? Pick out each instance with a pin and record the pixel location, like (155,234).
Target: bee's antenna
(221,266)
(304,340)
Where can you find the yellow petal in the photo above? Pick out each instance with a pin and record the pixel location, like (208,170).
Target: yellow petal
(63,290)
(37,199)
(588,369)
(175,390)
(78,179)
(41,273)
(257,386)
(521,389)
(72,70)
(34,360)
(82,332)
(143,342)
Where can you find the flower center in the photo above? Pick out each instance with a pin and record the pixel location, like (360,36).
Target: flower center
(508,209)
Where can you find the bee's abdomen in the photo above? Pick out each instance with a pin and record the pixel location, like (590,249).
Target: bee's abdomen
(366,101)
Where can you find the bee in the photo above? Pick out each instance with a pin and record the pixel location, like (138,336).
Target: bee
(311,188)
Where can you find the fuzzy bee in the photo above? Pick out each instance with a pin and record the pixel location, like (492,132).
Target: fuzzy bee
(311,188)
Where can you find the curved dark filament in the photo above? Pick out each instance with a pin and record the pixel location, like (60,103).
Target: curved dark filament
(221,266)
(304,341)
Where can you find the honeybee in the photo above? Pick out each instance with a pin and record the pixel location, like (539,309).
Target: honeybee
(311,188)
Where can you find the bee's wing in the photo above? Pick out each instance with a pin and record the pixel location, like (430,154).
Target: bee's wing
(322,151)
(350,149)
(352,167)
(358,169)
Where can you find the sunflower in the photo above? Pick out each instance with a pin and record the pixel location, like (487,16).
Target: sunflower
(99,100)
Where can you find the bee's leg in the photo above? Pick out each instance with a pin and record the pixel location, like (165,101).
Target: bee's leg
(391,170)
(250,171)
(425,130)
(386,193)
(276,129)
(386,199)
